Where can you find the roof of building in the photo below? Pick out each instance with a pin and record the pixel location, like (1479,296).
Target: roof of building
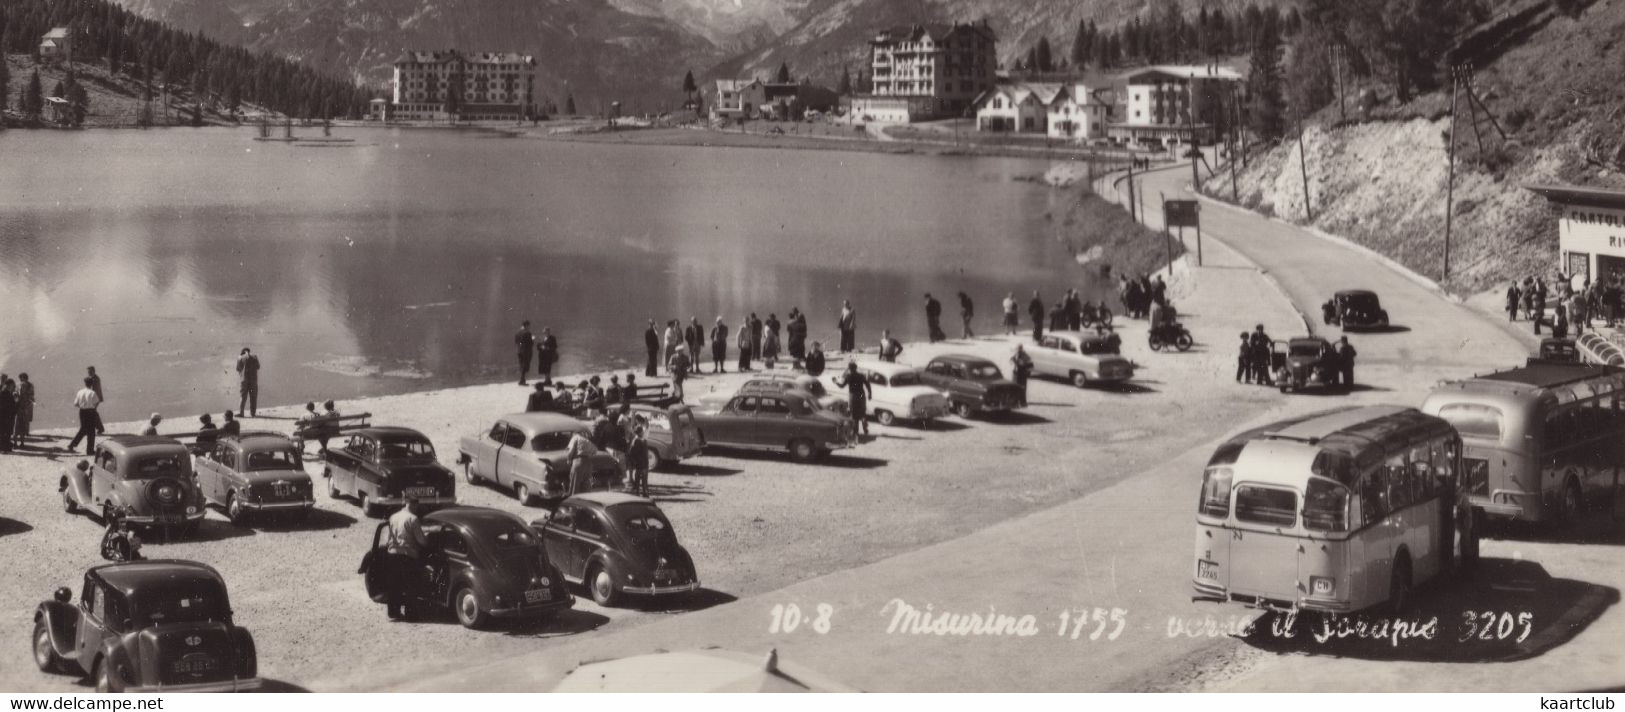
(938,31)
(452,55)
(57,33)
(1576,195)
(1047,93)
(1186,71)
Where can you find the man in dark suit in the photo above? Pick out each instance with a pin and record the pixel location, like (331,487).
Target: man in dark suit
(547,354)
(933,318)
(719,346)
(1035,310)
(526,343)
(651,343)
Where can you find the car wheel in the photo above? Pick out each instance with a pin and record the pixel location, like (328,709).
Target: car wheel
(68,505)
(234,509)
(1572,503)
(884,417)
(802,449)
(45,656)
(106,681)
(601,584)
(1105,316)
(963,410)
(468,474)
(1184,342)
(1399,586)
(333,489)
(521,493)
(469,613)
(367,507)
(1080,379)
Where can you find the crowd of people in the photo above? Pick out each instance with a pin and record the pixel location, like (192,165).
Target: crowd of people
(1573,310)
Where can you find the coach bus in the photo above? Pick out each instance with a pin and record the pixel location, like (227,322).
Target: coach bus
(1336,511)
(1541,441)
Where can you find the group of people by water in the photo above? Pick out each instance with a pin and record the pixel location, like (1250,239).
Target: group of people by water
(1573,309)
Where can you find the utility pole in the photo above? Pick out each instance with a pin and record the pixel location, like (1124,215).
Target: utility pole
(1190,121)
(1235,150)
(1337,66)
(1303,170)
(1131,212)
(1450,191)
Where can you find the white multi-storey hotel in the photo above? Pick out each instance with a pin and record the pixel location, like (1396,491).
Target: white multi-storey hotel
(440,86)
(928,71)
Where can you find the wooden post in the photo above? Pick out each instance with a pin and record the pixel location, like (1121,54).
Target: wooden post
(1235,147)
(1450,190)
(1190,120)
(1198,240)
(1132,215)
(1303,170)
(1467,79)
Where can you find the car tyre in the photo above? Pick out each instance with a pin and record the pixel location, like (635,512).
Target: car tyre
(367,507)
(1080,379)
(601,585)
(68,505)
(1399,586)
(468,473)
(963,410)
(467,606)
(803,450)
(45,656)
(885,417)
(521,493)
(332,487)
(106,681)
(235,511)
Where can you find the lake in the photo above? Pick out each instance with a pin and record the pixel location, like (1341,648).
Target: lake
(406,260)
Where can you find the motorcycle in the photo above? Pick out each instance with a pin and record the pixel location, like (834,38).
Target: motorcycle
(1096,317)
(1173,334)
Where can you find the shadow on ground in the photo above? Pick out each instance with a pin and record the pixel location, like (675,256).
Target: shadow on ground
(9,527)
(1508,610)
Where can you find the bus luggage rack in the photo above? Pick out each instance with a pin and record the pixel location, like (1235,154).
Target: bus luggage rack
(1595,348)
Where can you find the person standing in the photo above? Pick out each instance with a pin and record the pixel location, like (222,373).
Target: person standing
(232,426)
(1244,361)
(890,348)
(629,392)
(671,340)
(1035,311)
(526,343)
(797,331)
(815,360)
(1011,322)
(695,336)
(933,318)
(8,411)
(1577,313)
(848,326)
(967,310)
(405,550)
(207,434)
(770,342)
(1074,310)
(579,454)
(87,402)
(248,386)
(744,345)
(95,383)
(1021,369)
(1261,356)
(719,346)
(1159,291)
(637,463)
(755,337)
(679,366)
(858,393)
(1345,361)
(539,400)
(651,344)
(25,407)
(547,354)
(329,426)
(152,425)
(1513,297)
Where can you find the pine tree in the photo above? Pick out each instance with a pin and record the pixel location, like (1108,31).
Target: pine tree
(1080,45)
(1266,110)
(845,87)
(5,77)
(33,96)
(1043,57)
(784,73)
(570,105)
(78,100)
(688,84)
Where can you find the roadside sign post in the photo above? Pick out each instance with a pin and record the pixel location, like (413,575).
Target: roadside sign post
(1183,214)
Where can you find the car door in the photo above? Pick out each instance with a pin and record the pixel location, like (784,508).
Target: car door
(210,475)
(92,621)
(590,535)
(557,536)
(775,424)
(737,421)
(1044,356)
(483,452)
(103,473)
(509,455)
(348,468)
(937,375)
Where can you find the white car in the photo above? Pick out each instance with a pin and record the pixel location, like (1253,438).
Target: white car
(1081,357)
(899,393)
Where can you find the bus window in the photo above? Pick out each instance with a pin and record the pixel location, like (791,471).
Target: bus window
(1216,492)
(1421,472)
(1560,430)
(1325,507)
(1266,505)
(1474,420)
(1373,495)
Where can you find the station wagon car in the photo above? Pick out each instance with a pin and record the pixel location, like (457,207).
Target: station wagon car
(672,433)
(617,545)
(145,480)
(525,454)
(480,563)
(255,472)
(790,421)
(770,383)
(1355,309)
(1302,363)
(161,625)
(1081,358)
(973,384)
(900,393)
(381,467)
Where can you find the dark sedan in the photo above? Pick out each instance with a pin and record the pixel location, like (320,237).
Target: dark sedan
(1355,309)
(617,545)
(973,385)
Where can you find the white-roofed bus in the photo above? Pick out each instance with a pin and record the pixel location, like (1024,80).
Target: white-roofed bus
(1541,441)
(1337,511)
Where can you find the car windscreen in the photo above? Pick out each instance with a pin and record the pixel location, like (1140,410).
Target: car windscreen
(146,467)
(274,460)
(186,604)
(1266,505)
(1309,349)
(1360,302)
(1473,420)
(983,371)
(405,449)
(907,378)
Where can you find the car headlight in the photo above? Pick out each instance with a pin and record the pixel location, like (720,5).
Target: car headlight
(1322,585)
(191,509)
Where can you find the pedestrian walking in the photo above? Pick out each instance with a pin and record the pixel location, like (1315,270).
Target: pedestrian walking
(848,326)
(890,348)
(651,344)
(547,355)
(95,382)
(1244,360)
(719,346)
(933,318)
(86,401)
(525,343)
(248,383)
(1035,311)
(744,345)
(25,408)
(967,310)
(1345,360)
(1011,322)
(815,360)
(858,393)
(1021,369)
(637,463)
(1513,298)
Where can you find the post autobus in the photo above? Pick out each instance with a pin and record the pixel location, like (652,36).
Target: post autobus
(1541,440)
(1335,511)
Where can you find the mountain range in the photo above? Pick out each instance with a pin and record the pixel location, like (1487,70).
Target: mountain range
(631,50)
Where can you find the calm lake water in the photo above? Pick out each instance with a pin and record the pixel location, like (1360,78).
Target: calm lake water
(405,260)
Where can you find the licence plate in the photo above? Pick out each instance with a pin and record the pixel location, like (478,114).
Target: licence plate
(282,490)
(420,492)
(1207,570)
(194,664)
(538,595)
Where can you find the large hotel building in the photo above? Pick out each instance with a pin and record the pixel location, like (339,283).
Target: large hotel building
(928,71)
(432,86)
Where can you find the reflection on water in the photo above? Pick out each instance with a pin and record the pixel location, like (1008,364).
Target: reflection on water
(406,260)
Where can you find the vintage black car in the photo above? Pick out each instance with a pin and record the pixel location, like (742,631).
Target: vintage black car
(1355,309)
(1303,362)
(1559,350)
(617,545)
(382,467)
(481,563)
(147,626)
(145,480)
(973,385)
(255,473)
